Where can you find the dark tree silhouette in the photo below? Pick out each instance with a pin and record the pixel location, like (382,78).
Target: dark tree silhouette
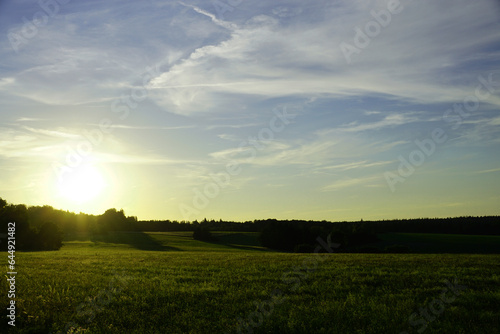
(114,220)
(47,237)
(203,234)
(50,237)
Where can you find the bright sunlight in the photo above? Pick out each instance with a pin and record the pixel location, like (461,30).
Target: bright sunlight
(81,184)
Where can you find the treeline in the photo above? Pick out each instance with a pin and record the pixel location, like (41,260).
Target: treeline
(43,227)
(212,225)
(487,225)
(302,236)
(45,236)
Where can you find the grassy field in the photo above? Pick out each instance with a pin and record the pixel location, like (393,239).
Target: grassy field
(170,283)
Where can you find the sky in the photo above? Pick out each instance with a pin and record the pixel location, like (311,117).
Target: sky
(242,110)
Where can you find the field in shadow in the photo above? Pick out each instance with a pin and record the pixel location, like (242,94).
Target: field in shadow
(423,243)
(137,240)
(428,243)
(240,240)
(167,241)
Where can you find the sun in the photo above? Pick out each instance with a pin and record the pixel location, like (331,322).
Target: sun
(81,184)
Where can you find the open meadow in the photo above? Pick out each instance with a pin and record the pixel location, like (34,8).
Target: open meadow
(170,283)
(253,167)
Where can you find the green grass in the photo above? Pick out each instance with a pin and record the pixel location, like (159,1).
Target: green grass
(169,283)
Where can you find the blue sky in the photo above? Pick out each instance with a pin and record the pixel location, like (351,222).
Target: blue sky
(336,110)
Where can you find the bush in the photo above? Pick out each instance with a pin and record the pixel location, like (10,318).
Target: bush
(49,237)
(202,234)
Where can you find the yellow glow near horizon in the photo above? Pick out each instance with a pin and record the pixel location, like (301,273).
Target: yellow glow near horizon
(81,185)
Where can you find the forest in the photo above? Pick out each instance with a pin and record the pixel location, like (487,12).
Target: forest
(44,228)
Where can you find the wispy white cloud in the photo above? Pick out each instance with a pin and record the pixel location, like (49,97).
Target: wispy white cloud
(488,171)
(29,119)
(341,184)
(219,22)
(232,126)
(265,62)
(61,133)
(19,144)
(134,159)
(136,127)
(354,165)
(390,120)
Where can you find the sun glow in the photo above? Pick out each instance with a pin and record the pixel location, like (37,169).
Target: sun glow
(81,184)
